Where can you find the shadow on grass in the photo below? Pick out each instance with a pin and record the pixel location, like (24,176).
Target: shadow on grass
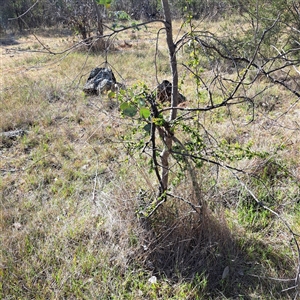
(233,266)
(11,38)
(54,31)
(8,40)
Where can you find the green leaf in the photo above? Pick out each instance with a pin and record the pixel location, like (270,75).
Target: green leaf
(128,109)
(124,105)
(111,95)
(135,27)
(104,2)
(159,121)
(145,112)
(147,128)
(142,102)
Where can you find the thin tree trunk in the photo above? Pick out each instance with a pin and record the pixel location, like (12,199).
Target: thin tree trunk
(167,138)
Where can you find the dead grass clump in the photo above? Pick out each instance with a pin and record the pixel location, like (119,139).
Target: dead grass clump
(18,109)
(80,235)
(181,239)
(25,104)
(94,46)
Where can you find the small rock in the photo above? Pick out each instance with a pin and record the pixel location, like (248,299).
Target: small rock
(152,280)
(225,273)
(17,225)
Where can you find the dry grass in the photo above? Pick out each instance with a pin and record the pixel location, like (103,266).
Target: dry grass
(70,191)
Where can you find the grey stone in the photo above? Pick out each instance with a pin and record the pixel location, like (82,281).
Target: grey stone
(100,81)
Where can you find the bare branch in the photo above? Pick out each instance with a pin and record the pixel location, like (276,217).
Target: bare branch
(26,12)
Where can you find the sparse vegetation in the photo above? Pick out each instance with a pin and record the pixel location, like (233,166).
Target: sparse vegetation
(76,188)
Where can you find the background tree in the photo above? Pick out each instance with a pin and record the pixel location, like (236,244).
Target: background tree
(81,16)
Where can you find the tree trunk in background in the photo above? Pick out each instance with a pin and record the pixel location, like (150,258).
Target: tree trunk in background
(99,19)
